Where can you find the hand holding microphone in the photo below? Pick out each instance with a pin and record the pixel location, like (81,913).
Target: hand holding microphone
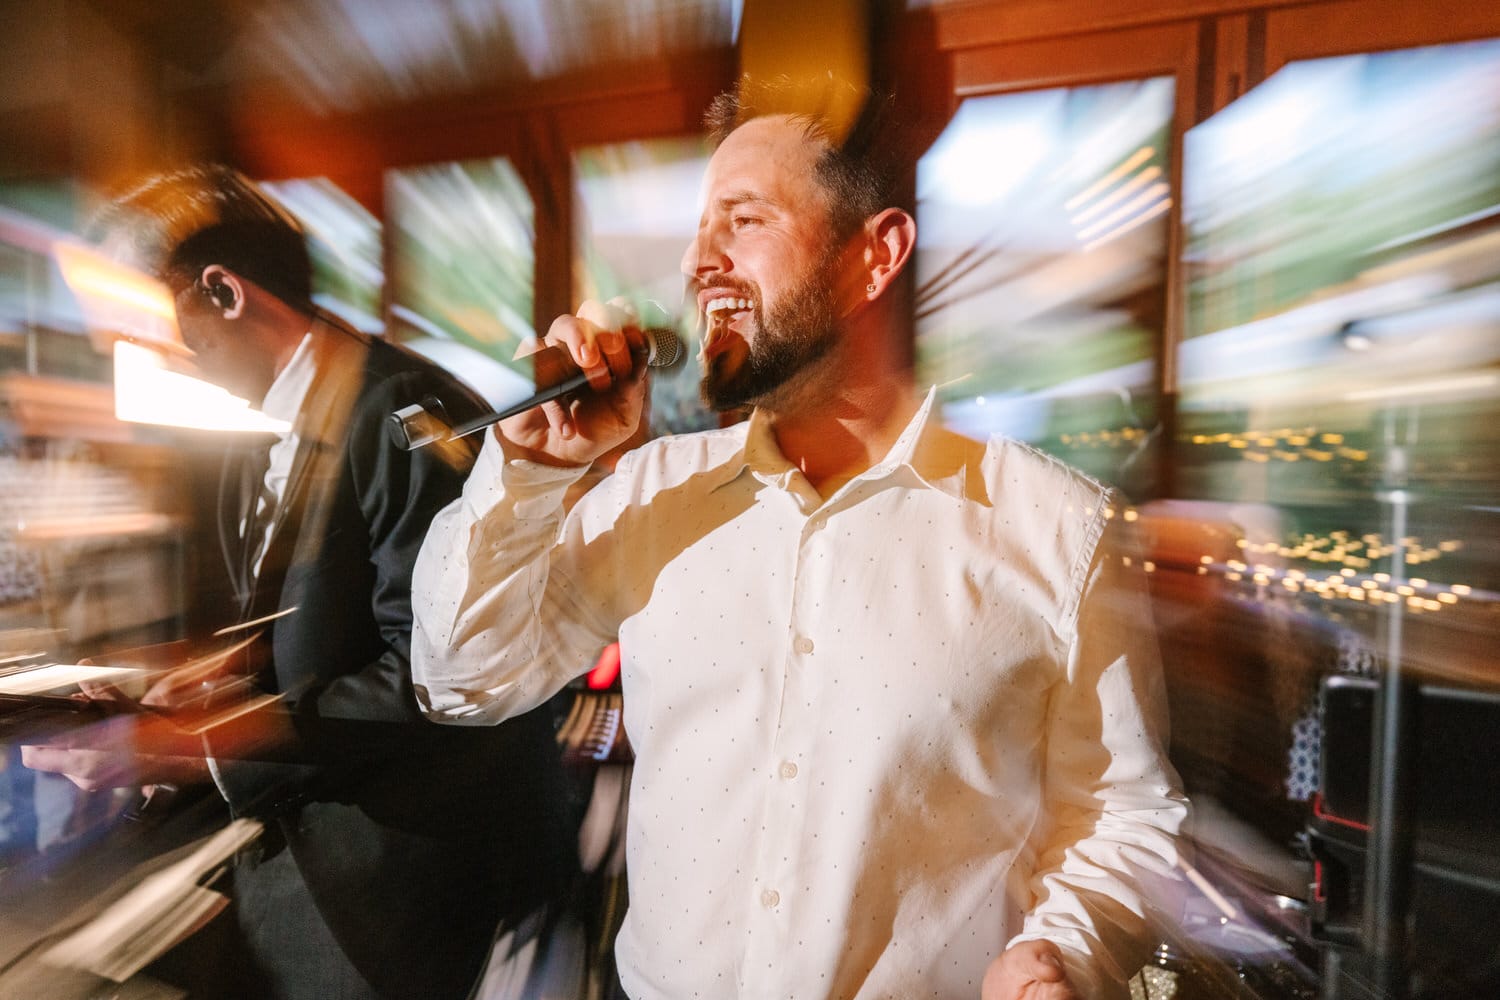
(591,388)
(601,343)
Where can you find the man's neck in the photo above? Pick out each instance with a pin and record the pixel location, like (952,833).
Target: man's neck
(839,436)
(292,326)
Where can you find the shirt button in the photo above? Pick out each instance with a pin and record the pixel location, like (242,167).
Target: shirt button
(788,770)
(770,898)
(803,644)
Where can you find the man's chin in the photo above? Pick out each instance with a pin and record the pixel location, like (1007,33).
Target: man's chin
(719,396)
(721,386)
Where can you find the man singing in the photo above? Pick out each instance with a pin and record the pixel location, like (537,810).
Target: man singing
(896,710)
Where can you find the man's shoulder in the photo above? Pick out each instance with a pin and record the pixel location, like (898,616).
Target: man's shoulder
(1026,465)
(1039,494)
(385,360)
(387,376)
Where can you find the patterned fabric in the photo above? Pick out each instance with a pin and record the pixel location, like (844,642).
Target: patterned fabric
(878,734)
(1351,656)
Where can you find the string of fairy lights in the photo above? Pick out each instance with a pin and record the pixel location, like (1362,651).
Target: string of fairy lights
(1337,566)
(1351,554)
(1286,444)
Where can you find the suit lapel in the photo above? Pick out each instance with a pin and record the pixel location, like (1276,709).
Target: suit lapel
(240,483)
(321,428)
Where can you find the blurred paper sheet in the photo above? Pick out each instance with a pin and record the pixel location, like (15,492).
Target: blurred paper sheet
(162,910)
(56,676)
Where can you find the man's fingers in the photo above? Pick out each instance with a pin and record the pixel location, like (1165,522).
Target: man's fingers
(616,314)
(558,419)
(610,322)
(1029,970)
(46,758)
(101,691)
(574,335)
(1041,960)
(618,353)
(579,335)
(90,770)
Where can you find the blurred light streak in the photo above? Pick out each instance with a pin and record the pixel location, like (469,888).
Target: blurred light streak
(1433,387)
(147,392)
(1124,190)
(155,913)
(1126,227)
(1136,159)
(1136,204)
(117,299)
(253,623)
(606,669)
(395,51)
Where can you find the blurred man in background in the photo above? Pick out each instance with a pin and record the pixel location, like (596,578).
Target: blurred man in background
(895,704)
(393,847)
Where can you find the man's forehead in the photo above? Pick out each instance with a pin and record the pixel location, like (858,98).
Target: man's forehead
(779,136)
(768,158)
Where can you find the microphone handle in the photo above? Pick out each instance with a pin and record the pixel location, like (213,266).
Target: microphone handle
(546,395)
(423,423)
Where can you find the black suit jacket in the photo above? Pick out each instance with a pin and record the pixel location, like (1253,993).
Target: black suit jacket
(412,839)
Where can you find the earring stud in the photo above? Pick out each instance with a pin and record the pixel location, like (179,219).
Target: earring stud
(870,287)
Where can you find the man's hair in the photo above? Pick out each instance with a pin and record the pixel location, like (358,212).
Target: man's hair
(861,167)
(175,224)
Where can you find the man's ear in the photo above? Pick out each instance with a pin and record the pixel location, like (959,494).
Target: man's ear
(224,289)
(891,236)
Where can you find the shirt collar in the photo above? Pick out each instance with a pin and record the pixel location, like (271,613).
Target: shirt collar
(913,453)
(289,389)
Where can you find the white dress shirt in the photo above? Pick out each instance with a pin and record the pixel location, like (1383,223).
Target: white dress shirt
(879,737)
(283,402)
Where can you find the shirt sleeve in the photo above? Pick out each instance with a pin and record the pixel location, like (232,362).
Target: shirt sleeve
(1107,860)
(498,626)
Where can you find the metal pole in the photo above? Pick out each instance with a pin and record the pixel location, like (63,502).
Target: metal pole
(1393,749)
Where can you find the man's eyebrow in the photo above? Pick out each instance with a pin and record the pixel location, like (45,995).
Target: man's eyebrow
(735,199)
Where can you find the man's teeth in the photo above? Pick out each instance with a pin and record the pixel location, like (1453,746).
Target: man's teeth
(719,305)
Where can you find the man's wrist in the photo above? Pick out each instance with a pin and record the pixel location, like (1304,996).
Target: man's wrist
(517,452)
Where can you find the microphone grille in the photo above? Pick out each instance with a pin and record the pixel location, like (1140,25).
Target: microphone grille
(665,347)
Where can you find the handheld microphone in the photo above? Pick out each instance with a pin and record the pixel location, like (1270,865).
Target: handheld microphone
(423,423)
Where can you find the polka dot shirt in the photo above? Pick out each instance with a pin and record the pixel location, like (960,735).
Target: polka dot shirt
(879,735)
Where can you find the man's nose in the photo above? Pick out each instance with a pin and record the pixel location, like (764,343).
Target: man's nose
(705,254)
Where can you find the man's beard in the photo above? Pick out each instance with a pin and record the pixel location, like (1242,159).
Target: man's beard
(788,340)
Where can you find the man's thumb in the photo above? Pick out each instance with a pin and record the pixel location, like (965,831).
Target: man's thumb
(1044,963)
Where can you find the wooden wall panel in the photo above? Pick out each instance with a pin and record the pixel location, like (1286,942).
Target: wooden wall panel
(1078,59)
(980,24)
(1349,26)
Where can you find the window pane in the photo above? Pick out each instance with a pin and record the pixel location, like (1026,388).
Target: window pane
(1343,360)
(1041,269)
(344,241)
(462,270)
(637,209)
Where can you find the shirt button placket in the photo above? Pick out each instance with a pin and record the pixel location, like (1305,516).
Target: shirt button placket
(766,948)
